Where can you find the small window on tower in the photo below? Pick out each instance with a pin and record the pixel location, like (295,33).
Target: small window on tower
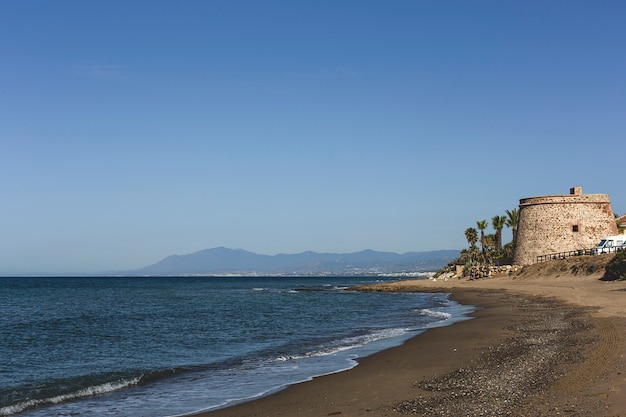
(575,228)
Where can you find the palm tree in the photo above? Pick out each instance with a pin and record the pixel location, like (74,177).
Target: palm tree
(471,235)
(482,225)
(490,244)
(468,256)
(498,223)
(512,221)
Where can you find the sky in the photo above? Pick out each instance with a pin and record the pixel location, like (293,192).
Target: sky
(134,130)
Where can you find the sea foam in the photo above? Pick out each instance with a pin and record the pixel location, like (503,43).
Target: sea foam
(436,314)
(85,392)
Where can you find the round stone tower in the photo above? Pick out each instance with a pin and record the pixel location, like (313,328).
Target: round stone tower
(561,223)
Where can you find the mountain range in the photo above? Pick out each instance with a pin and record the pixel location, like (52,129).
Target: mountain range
(225,261)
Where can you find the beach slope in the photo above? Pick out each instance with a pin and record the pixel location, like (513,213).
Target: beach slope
(549,341)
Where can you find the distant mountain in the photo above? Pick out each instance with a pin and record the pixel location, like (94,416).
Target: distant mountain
(224,261)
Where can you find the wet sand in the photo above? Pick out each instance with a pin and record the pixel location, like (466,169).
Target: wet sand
(538,346)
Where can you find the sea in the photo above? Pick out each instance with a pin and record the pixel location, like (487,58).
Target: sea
(172,346)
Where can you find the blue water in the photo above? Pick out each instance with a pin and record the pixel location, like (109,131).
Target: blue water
(170,346)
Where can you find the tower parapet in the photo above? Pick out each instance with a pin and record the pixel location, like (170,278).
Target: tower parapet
(561,223)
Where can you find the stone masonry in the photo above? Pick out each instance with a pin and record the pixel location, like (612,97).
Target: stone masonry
(561,223)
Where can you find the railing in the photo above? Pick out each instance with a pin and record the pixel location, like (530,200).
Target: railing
(579,252)
(563,255)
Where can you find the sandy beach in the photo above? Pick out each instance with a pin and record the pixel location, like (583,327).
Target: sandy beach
(546,342)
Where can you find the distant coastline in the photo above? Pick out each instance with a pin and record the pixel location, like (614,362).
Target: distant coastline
(238,262)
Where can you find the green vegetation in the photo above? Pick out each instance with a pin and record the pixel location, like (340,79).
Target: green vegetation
(512,218)
(477,261)
(498,223)
(616,268)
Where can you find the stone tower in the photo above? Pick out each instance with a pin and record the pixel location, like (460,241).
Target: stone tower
(561,223)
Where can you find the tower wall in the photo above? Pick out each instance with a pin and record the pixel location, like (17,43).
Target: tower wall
(561,223)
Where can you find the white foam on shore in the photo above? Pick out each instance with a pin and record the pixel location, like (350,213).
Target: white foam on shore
(275,372)
(85,392)
(348,343)
(436,314)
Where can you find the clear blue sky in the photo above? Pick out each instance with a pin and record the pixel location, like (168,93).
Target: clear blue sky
(133,130)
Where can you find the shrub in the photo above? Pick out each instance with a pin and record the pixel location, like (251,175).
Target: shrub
(616,268)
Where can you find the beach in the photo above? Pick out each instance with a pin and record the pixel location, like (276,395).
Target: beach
(547,342)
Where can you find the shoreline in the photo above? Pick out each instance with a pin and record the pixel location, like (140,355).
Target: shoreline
(536,346)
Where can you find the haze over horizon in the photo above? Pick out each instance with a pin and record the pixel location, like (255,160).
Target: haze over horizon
(136,130)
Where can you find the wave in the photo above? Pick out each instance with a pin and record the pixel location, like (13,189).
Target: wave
(436,314)
(347,344)
(236,358)
(274,290)
(105,388)
(315,288)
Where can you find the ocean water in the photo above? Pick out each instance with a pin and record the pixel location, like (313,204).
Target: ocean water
(172,346)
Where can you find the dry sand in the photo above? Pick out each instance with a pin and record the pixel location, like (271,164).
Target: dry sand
(547,342)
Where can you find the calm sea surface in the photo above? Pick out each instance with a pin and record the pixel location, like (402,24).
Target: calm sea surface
(170,346)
